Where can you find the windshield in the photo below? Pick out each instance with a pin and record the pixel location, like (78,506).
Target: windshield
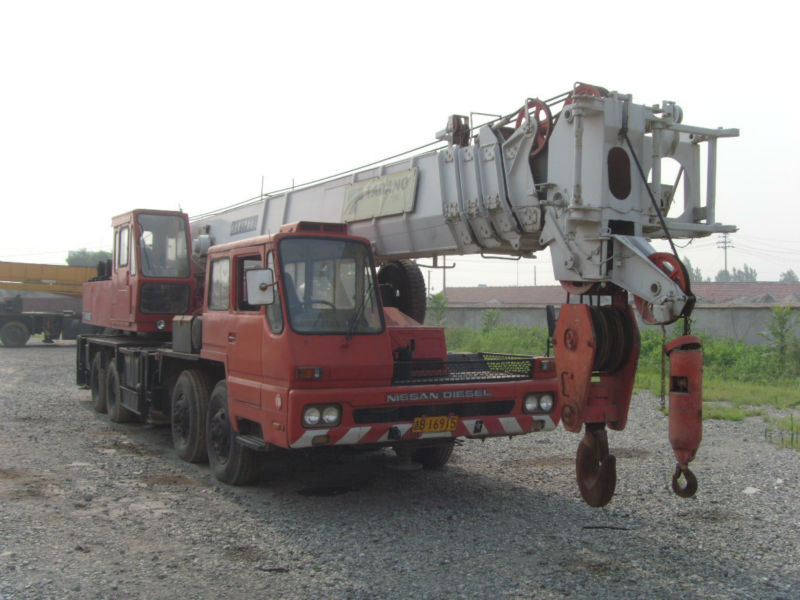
(162,246)
(328,286)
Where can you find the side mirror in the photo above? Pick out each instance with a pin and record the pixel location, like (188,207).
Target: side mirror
(551,319)
(260,286)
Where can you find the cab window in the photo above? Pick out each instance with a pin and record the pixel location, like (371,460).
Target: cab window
(122,247)
(219,284)
(243,265)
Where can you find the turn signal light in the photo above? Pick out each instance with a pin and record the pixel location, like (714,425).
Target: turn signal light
(309,373)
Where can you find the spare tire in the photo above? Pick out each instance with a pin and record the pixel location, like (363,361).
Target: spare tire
(403,287)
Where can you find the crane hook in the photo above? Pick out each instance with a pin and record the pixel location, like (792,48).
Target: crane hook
(596,469)
(691,481)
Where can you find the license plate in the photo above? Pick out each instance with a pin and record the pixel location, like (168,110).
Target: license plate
(434,424)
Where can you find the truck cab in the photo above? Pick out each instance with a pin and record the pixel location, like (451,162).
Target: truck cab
(320,328)
(312,358)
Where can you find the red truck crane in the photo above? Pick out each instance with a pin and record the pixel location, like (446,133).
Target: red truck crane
(294,320)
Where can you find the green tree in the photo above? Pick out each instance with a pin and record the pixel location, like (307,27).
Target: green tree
(747,274)
(695,276)
(780,333)
(490,319)
(437,307)
(789,277)
(86,258)
(722,276)
(744,275)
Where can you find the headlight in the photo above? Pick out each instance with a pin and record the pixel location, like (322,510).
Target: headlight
(331,415)
(531,403)
(322,415)
(311,416)
(546,403)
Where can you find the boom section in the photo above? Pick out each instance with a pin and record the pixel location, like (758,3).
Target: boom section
(592,176)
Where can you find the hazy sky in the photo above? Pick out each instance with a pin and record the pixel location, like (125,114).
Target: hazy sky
(108,106)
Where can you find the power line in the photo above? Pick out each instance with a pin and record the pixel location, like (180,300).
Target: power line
(725,243)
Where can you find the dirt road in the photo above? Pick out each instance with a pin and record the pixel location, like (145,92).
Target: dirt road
(90,509)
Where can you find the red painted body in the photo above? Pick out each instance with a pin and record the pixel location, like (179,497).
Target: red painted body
(685,396)
(356,373)
(588,396)
(120,301)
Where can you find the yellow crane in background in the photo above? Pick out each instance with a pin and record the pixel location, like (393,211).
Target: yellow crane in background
(16,324)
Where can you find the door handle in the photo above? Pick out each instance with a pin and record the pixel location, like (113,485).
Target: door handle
(231,337)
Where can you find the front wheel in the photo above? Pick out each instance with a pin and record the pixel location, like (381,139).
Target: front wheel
(229,461)
(434,457)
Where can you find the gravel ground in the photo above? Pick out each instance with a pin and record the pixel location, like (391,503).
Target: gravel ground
(90,509)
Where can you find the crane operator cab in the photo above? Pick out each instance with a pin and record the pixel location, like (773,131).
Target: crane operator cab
(150,277)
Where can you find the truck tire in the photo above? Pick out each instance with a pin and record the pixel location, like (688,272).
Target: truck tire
(14,334)
(116,412)
(188,415)
(70,328)
(403,287)
(97,382)
(230,462)
(434,457)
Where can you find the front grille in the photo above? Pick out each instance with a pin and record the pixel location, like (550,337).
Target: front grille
(468,368)
(388,414)
(164,298)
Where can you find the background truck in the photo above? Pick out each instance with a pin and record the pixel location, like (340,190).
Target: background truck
(18,321)
(294,320)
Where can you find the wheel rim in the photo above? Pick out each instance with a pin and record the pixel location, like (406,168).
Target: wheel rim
(220,437)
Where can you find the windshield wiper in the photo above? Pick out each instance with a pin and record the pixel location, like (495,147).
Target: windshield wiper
(351,322)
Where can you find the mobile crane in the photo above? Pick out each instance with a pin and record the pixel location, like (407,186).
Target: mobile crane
(17,324)
(266,326)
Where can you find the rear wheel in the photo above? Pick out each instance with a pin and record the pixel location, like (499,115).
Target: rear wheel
(229,461)
(97,383)
(189,411)
(434,457)
(14,334)
(116,412)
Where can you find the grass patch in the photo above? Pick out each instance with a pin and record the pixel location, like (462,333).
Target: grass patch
(785,432)
(780,395)
(739,381)
(783,396)
(726,412)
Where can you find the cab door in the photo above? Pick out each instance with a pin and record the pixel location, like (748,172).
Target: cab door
(245,332)
(121,313)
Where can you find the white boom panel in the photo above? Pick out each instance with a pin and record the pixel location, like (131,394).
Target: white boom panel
(521,184)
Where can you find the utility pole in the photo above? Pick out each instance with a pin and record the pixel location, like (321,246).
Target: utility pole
(725,243)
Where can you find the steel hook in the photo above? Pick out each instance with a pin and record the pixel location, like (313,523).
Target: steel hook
(691,481)
(596,469)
